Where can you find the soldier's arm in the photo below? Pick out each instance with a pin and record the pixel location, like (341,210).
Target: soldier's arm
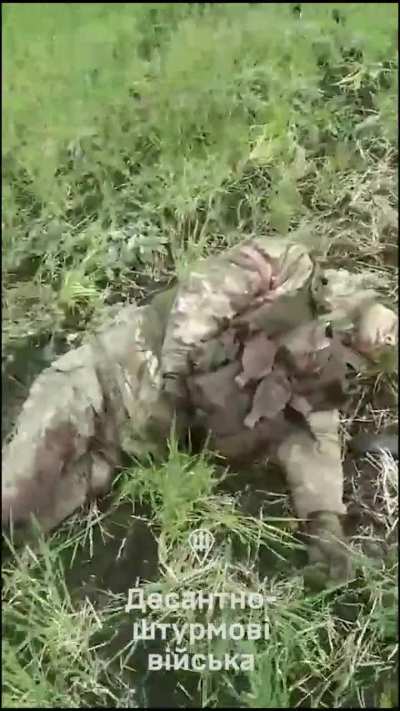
(344,298)
(376,328)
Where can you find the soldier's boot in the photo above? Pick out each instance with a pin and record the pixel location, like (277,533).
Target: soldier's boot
(315,477)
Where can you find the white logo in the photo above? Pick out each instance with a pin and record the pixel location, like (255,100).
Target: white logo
(201,543)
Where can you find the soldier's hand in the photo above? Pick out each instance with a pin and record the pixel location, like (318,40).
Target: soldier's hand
(329,557)
(376,330)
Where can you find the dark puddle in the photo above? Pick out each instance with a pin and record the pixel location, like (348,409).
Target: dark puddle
(124,547)
(125,553)
(124,550)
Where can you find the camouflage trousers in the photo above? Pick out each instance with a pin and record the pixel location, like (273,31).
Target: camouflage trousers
(82,413)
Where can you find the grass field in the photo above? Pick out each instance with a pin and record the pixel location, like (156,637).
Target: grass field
(137,137)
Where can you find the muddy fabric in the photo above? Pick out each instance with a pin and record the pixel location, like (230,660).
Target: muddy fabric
(91,405)
(313,466)
(123,389)
(262,387)
(330,561)
(225,288)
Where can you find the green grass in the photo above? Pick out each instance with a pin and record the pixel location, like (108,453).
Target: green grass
(131,131)
(135,139)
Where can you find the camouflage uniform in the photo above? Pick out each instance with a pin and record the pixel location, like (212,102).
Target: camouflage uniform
(91,405)
(120,391)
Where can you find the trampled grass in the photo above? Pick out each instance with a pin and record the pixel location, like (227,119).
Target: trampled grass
(137,137)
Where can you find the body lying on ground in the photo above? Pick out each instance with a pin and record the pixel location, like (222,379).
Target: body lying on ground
(252,349)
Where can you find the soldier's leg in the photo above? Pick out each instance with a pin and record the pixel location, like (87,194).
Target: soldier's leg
(315,477)
(81,413)
(52,462)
